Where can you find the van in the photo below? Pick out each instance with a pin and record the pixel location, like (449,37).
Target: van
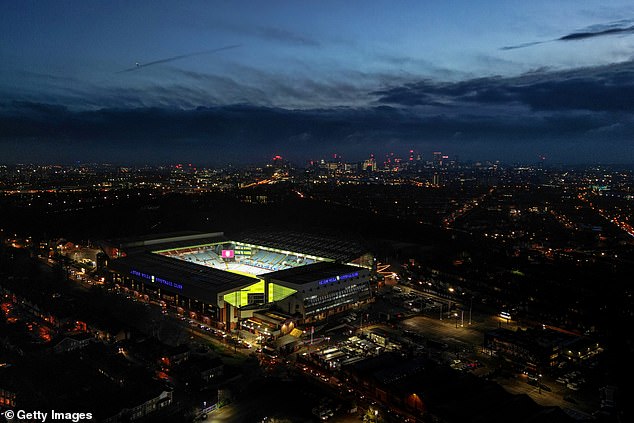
(270,352)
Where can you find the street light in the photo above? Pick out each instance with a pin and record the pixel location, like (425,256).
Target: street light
(367,318)
(470,307)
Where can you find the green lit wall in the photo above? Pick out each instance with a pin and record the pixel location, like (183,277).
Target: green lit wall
(278,292)
(240,297)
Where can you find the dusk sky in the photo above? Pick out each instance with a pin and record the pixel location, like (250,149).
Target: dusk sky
(239,81)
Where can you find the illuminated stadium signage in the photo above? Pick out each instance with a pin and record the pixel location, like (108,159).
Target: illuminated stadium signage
(227,254)
(338,278)
(156,280)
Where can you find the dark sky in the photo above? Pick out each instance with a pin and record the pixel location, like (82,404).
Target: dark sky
(217,82)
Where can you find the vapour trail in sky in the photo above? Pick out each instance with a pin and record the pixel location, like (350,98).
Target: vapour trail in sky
(179,57)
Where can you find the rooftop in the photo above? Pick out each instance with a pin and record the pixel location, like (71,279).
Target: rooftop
(315,245)
(203,280)
(534,337)
(175,243)
(86,378)
(313,272)
(140,239)
(450,395)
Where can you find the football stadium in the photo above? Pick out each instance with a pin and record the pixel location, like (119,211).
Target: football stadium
(219,281)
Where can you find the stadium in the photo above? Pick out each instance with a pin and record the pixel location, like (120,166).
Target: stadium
(219,280)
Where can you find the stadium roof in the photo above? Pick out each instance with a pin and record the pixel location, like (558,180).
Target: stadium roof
(165,241)
(202,282)
(312,245)
(315,245)
(175,245)
(312,272)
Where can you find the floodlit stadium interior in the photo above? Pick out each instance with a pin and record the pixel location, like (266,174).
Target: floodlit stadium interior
(221,281)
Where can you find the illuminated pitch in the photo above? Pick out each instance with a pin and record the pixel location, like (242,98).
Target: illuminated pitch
(243,269)
(245,259)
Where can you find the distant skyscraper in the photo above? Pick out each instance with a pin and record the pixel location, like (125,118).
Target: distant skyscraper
(370,164)
(278,162)
(437,158)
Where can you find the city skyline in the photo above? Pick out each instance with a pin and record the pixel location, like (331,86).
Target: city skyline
(219,84)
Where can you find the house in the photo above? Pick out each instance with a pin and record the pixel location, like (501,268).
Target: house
(73,342)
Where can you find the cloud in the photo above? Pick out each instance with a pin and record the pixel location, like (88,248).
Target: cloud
(607,88)
(181,88)
(242,133)
(586,34)
(187,117)
(524,45)
(269,33)
(284,36)
(621,27)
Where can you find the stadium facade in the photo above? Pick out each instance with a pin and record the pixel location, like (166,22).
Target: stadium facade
(217,280)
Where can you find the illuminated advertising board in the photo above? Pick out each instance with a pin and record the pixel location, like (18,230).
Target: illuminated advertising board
(155,279)
(338,278)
